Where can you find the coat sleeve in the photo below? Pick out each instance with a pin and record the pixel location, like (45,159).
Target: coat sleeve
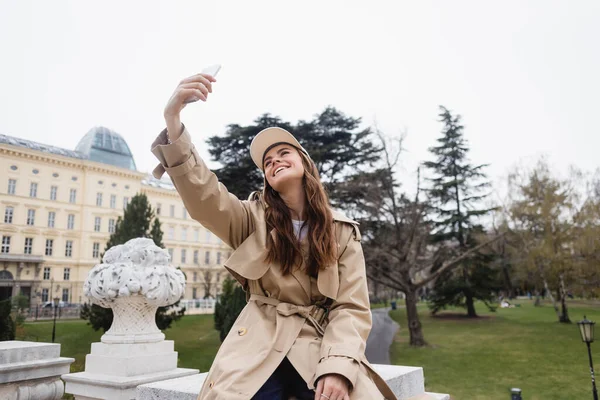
(207,200)
(349,325)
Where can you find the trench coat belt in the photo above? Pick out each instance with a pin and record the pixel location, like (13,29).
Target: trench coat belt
(313,314)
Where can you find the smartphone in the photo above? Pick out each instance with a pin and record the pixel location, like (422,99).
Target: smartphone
(212,70)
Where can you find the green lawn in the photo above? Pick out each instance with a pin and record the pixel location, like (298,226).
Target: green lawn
(196,340)
(519,347)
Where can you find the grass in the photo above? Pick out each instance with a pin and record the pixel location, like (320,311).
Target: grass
(520,347)
(196,340)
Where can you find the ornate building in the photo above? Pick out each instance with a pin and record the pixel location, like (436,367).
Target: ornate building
(58,208)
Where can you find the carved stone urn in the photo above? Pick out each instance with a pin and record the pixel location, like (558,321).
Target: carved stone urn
(134,279)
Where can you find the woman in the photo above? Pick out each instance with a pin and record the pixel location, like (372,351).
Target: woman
(302,334)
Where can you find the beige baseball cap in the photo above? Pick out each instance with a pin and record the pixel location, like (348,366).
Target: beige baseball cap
(267,138)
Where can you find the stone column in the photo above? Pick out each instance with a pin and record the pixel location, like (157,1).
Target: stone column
(134,279)
(31,371)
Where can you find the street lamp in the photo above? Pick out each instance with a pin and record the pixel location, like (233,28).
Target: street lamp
(586,328)
(55,303)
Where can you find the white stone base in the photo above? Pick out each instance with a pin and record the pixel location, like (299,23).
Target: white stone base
(114,370)
(31,371)
(407,383)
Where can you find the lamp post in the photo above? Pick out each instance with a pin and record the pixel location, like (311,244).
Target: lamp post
(55,303)
(586,328)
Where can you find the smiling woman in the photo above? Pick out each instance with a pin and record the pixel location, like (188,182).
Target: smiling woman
(303,332)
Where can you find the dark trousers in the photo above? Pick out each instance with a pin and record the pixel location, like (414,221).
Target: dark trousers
(284,383)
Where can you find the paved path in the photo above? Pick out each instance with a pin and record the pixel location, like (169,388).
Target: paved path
(381,337)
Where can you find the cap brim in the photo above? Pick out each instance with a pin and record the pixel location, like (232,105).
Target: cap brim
(268,137)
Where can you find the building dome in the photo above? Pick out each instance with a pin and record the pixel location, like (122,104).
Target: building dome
(103,145)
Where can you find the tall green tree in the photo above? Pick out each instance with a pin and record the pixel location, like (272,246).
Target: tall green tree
(335,142)
(457,190)
(137,219)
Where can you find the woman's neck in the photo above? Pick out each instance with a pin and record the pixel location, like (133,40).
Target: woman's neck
(295,199)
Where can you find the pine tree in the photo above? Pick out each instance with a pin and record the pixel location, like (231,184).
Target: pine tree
(135,223)
(457,189)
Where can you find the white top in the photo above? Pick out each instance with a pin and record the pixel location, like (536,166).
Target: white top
(297,226)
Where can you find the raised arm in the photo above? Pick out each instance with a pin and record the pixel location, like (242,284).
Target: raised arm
(207,200)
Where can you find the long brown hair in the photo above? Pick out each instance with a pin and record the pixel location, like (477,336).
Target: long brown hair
(285,249)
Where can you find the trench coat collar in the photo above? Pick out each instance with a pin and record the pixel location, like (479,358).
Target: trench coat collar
(248,260)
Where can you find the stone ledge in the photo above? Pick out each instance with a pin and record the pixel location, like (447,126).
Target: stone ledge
(405,382)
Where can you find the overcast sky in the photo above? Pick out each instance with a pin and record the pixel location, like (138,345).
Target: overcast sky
(523,74)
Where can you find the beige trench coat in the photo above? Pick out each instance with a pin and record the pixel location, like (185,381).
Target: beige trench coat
(279,319)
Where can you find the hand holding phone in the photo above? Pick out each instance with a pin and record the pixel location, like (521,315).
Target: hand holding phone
(212,70)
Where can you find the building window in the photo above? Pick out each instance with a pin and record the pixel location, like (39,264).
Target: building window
(218,278)
(218,258)
(207,257)
(111,225)
(171,233)
(53,191)
(184,234)
(51,219)
(194,293)
(8,214)
(172,211)
(12,186)
(125,202)
(49,246)
(46,273)
(195,256)
(98,199)
(196,235)
(171,254)
(69,248)
(185,214)
(97,222)
(5,244)
(158,206)
(113,201)
(28,245)
(183,255)
(195,276)
(73,196)
(96,250)
(208,236)
(33,189)
(31,217)
(71,221)
(67,274)
(44,295)
(65,295)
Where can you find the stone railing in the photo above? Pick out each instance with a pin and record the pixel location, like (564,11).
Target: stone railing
(133,361)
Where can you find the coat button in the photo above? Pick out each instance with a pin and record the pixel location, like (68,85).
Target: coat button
(242,331)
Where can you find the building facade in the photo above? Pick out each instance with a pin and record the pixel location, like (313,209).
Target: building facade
(58,208)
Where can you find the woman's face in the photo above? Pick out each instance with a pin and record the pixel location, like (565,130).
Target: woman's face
(283,167)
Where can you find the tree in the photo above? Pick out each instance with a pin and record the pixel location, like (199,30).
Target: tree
(396,234)
(7,325)
(136,221)
(456,189)
(334,141)
(230,305)
(542,213)
(207,282)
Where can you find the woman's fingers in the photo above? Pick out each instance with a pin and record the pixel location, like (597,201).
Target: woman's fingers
(319,390)
(203,78)
(195,85)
